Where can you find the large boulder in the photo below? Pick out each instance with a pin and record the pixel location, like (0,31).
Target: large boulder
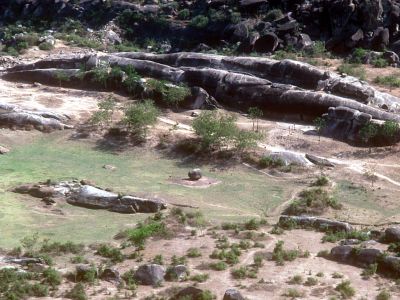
(177,273)
(190,292)
(195,174)
(111,275)
(365,257)
(233,294)
(150,274)
(93,197)
(267,43)
(142,205)
(392,235)
(341,253)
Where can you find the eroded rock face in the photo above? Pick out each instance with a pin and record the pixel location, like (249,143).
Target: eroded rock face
(392,235)
(277,87)
(232,294)
(316,222)
(90,196)
(150,274)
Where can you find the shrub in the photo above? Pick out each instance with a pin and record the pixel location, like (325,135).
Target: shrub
(270,162)
(61,248)
(369,271)
(114,254)
(175,260)
(345,289)
(46,46)
(273,14)
(184,14)
(141,115)
(369,131)
(384,295)
(158,259)
(258,260)
(337,275)
(87,275)
(193,252)
(311,281)
(358,55)
(52,277)
(296,279)
(105,112)
(353,70)
(219,266)
(171,94)
(389,80)
(379,62)
(239,273)
(77,292)
(333,237)
(214,129)
(199,21)
(313,201)
(142,232)
(279,255)
(293,293)
(321,181)
(199,277)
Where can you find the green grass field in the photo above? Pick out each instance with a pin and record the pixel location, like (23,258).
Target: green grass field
(242,194)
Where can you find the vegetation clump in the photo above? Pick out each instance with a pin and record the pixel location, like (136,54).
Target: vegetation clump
(313,202)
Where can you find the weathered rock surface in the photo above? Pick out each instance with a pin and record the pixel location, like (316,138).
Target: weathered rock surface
(392,235)
(12,115)
(316,222)
(111,275)
(150,274)
(195,174)
(232,294)
(85,195)
(190,292)
(177,273)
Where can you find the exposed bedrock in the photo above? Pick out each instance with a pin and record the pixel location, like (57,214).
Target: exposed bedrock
(15,116)
(91,197)
(315,222)
(236,82)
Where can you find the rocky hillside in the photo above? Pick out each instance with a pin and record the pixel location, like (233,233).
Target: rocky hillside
(243,26)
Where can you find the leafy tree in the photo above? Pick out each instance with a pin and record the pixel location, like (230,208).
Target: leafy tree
(141,115)
(217,130)
(320,124)
(255,114)
(214,129)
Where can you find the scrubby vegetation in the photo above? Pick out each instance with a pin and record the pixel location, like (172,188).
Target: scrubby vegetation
(314,202)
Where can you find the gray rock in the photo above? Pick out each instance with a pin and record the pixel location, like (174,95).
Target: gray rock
(142,205)
(392,235)
(190,292)
(232,294)
(4,150)
(319,161)
(92,197)
(111,37)
(150,274)
(195,174)
(111,275)
(179,273)
(342,253)
(316,222)
(349,242)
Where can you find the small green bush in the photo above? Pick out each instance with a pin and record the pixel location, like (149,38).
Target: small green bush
(219,266)
(52,277)
(77,292)
(184,14)
(353,70)
(114,254)
(193,252)
(46,46)
(384,295)
(199,21)
(296,279)
(273,14)
(345,289)
(199,277)
(141,115)
(389,80)
(270,162)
